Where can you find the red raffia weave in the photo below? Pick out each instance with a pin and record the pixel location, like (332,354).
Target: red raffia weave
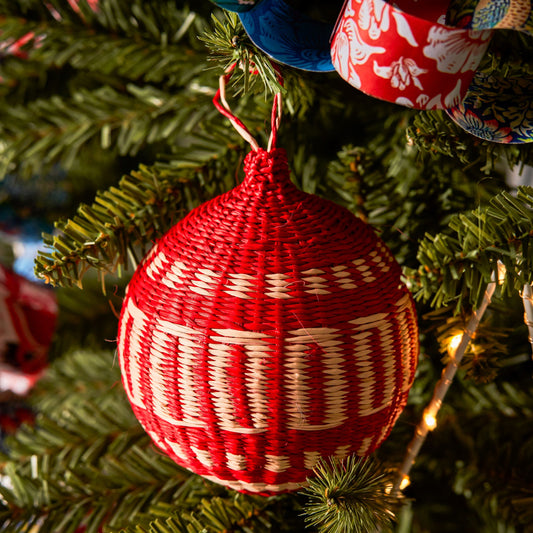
(265,330)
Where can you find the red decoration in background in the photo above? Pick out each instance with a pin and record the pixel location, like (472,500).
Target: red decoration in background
(15,47)
(28,315)
(267,329)
(93,4)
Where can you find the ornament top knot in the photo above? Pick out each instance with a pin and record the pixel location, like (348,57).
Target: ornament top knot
(262,167)
(265,330)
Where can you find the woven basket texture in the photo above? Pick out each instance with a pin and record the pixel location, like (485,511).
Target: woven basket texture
(265,330)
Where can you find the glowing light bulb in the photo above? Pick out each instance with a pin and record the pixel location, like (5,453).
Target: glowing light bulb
(502,272)
(455,341)
(405,482)
(430,421)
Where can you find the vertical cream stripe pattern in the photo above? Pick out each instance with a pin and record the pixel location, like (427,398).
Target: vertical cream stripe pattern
(133,385)
(334,377)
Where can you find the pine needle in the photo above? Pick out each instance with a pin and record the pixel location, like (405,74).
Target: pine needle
(351,496)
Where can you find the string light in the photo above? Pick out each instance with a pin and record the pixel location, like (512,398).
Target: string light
(406,481)
(429,421)
(502,272)
(527,300)
(454,343)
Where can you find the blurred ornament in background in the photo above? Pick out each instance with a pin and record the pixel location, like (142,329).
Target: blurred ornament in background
(20,240)
(28,314)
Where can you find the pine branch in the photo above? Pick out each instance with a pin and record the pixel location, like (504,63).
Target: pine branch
(472,472)
(92,482)
(499,397)
(352,495)
(228,43)
(87,319)
(508,55)
(401,191)
(94,101)
(49,131)
(130,58)
(456,266)
(116,229)
(235,512)
(436,133)
(160,23)
(65,382)
(26,8)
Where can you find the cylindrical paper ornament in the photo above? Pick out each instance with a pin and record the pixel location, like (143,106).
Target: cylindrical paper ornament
(265,330)
(423,55)
(401,53)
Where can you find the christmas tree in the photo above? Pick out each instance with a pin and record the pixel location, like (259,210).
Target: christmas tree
(108,132)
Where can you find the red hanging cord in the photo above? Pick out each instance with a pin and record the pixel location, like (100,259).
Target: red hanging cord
(223,107)
(275,121)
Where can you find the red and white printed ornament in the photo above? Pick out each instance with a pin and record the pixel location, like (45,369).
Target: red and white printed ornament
(267,329)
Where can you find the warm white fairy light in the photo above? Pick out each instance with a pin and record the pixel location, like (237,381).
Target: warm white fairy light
(502,272)
(430,421)
(405,482)
(454,343)
(457,347)
(527,300)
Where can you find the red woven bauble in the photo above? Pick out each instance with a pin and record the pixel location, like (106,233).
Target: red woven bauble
(267,329)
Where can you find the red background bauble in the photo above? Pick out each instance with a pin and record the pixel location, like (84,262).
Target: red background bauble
(265,330)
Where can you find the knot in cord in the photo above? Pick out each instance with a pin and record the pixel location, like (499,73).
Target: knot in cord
(270,169)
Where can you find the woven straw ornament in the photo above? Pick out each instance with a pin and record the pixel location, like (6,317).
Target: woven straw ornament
(267,329)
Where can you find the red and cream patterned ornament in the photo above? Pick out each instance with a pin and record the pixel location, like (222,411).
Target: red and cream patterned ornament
(265,330)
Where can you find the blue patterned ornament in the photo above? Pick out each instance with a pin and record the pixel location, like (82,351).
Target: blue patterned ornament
(503,14)
(286,35)
(487,16)
(238,6)
(497,109)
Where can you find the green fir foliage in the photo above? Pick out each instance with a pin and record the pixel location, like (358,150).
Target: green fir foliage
(457,265)
(120,99)
(130,92)
(484,463)
(351,495)
(123,221)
